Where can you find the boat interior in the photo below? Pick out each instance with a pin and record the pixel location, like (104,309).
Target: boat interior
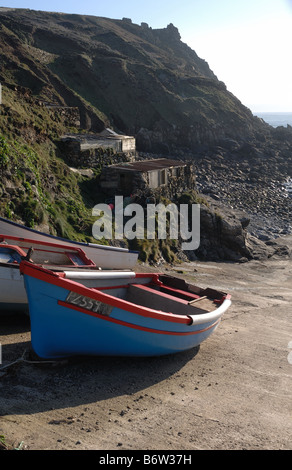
(46,255)
(164,293)
(166,300)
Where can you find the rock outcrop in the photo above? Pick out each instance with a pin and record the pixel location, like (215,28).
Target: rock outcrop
(225,236)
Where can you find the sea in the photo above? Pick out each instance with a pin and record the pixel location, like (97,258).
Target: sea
(276,119)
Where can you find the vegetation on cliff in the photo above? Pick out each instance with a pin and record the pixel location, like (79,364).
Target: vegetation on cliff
(36,186)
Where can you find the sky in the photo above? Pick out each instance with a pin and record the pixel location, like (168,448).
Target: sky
(247,43)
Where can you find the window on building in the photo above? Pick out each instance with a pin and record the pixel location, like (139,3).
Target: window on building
(162,177)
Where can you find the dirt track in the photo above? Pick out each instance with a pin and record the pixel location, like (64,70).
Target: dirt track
(234,392)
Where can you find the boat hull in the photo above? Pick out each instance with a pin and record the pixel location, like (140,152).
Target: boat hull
(12,292)
(62,328)
(106,257)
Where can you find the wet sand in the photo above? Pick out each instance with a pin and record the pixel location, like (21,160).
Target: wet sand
(233,392)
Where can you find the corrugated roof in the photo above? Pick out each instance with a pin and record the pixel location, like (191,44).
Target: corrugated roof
(149,165)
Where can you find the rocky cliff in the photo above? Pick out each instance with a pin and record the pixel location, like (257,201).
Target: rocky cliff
(141,81)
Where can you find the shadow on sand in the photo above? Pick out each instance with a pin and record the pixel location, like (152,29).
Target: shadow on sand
(30,385)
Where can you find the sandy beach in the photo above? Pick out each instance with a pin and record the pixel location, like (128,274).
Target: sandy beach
(233,392)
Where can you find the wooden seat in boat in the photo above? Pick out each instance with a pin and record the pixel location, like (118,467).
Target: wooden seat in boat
(150,297)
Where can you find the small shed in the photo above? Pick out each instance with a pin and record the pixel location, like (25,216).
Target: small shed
(162,173)
(77,144)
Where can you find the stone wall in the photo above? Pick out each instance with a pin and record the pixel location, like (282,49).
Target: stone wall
(98,158)
(95,151)
(70,116)
(91,158)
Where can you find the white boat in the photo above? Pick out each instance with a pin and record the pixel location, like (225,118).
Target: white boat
(49,255)
(105,257)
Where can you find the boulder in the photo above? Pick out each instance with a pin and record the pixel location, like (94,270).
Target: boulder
(224,236)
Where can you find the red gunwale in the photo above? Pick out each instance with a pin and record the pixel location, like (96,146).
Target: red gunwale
(65,248)
(17,249)
(57,280)
(132,325)
(14,248)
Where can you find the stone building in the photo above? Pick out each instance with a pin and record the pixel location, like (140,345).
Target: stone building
(85,149)
(168,177)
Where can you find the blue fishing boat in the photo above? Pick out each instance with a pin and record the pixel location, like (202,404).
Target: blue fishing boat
(122,314)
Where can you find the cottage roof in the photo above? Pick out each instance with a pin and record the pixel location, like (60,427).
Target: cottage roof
(149,165)
(106,134)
